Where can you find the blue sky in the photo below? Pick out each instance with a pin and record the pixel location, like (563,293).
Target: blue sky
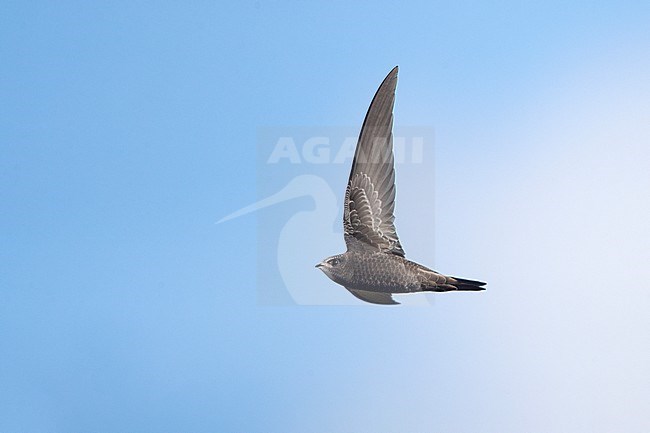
(128,128)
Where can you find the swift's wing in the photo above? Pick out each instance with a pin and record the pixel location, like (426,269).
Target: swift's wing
(370,194)
(374,297)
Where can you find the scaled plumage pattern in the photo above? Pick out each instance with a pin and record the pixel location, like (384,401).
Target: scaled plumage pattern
(374,267)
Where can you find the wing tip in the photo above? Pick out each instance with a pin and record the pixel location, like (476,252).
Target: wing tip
(392,75)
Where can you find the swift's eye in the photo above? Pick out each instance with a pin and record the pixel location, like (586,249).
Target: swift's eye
(334,262)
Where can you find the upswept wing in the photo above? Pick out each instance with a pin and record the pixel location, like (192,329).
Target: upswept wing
(370,194)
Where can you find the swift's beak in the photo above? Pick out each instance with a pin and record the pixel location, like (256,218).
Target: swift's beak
(320,265)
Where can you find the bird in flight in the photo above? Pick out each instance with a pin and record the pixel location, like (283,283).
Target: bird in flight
(374,267)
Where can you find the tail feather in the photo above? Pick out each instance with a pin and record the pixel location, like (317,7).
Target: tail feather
(470,284)
(455,284)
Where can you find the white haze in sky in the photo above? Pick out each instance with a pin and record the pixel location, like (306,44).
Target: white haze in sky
(554,214)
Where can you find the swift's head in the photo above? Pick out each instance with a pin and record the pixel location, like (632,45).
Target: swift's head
(335,267)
